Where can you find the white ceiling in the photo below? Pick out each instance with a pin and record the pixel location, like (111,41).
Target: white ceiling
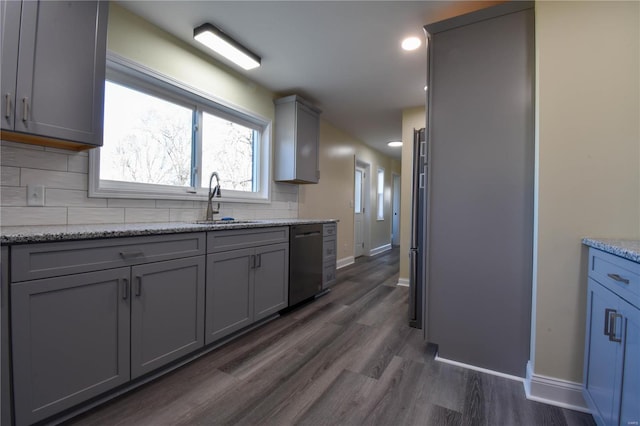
(344,56)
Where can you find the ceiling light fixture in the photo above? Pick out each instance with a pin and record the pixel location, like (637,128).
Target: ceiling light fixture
(395,144)
(216,39)
(411,43)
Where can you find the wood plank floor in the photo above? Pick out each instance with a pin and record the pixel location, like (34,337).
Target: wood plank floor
(348,358)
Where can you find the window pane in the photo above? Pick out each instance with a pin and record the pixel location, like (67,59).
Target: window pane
(380,194)
(146,139)
(358,192)
(229,149)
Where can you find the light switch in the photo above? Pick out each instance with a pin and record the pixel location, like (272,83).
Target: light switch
(35,195)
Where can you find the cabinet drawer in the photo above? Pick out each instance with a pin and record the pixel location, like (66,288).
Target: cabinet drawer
(33,261)
(619,275)
(329,248)
(218,241)
(329,229)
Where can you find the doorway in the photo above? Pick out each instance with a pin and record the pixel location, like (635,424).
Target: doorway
(395,211)
(360,208)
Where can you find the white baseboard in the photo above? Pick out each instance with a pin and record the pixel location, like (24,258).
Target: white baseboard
(552,391)
(345,262)
(403,282)
(380,249)
(480,369)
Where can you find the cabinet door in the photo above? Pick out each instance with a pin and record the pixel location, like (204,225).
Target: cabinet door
(307,134)
(271,281)
(630,410)
(61,69)
(229,295)
(70,340)
(167,312)
(603,357)
(10,38)
(5,366)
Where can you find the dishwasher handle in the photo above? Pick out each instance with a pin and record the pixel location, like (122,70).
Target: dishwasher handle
(307,234)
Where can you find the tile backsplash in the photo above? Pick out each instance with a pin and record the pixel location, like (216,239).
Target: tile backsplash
(64,175)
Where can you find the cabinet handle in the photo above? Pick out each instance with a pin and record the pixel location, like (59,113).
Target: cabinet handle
(138,286)
(252,262)
(607,317)
(259,261)
(613,317)
(7,111)
(25,109)
(125,288)
(130,254)
(618,278)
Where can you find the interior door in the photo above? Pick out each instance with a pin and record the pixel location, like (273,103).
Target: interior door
(395,219)
(358,204)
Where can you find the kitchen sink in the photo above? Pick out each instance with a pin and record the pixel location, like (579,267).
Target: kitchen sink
(224,222)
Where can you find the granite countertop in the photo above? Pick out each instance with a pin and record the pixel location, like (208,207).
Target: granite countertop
(628,249)
(49,233)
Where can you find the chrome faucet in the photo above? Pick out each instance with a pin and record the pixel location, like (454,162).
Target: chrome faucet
(215,193)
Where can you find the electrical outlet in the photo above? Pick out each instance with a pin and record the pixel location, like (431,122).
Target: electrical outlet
(35,195)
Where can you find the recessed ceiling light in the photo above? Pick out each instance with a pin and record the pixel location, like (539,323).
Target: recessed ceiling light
(411,43)
(395,144)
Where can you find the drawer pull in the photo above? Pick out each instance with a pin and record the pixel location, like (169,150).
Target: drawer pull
(130,254)
(618,278)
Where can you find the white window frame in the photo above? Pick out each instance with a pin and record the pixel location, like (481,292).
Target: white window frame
(137,76)
(380,195)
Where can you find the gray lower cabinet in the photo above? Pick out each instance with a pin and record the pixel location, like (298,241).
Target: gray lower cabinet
(167,312)
(5,366)
(229,292)
(329,254)
(71,339)
(88,316)
(271,291)
(54,67)
(247,278)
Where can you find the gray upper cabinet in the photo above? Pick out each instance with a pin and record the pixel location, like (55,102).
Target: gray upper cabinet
(167,312)
(70,340)
(53,69)
(9,64)
(297,139)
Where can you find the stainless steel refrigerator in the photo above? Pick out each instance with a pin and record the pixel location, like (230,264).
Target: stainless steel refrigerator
(416,249)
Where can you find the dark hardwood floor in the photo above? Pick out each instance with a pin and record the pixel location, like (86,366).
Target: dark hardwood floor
(348,358)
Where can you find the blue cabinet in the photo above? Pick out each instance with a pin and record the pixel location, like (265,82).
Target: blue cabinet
(630,404)
(612,345)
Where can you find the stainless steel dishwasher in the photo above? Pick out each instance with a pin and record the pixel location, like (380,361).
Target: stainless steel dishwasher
(305,262)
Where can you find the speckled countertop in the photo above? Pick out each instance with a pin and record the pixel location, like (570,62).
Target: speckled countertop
(628,249)
(46,233)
